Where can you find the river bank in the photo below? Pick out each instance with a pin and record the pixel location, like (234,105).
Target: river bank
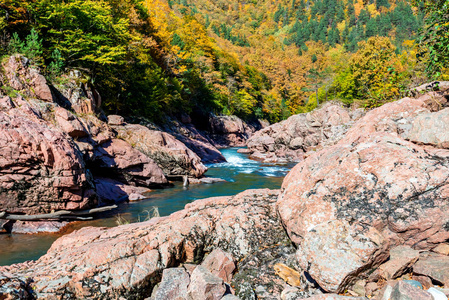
(240,174)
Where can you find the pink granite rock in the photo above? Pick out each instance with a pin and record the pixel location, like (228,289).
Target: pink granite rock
(129,164)
(220,264)
(435,266)
(290,139)
(205,285)
(170,154)
(347,204)
(124,261)
(40,169)
(69,123)
(21,76)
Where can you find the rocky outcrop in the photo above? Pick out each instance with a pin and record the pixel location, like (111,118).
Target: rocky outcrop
(128,261)
(19,75)
(289,140)
(169,153)
(347,205)
(231,131)
(195,140)
(129,165)
(40,169)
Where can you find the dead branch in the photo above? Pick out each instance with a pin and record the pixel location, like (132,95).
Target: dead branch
(58,215)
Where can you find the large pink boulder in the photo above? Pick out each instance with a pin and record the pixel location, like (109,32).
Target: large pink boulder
(40,169)
(128,164)
(347,204)
(69,123)
(170,154)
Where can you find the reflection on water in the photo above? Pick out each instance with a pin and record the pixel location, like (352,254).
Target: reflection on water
(240,173)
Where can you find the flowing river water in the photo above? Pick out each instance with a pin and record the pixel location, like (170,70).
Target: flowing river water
(239,172)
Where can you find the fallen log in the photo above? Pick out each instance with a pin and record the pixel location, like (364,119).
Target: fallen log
(62,214)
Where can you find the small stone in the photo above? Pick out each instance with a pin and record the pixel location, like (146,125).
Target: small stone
(442,249)
(405,291)
(230,297)
(437,294)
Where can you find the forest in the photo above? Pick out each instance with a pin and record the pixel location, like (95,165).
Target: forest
(264,59)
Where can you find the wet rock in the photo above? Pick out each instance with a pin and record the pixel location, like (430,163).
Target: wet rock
(220,264)
(173,286)
(205,180)
(171,155)
(69,123)
(405,291)
(127,261)
(435,266)
(115,120)
(205,285)
(38,227)
(348,204)
(129,165)
(109,190)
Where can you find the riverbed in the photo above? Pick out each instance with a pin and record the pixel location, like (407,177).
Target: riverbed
(240,174)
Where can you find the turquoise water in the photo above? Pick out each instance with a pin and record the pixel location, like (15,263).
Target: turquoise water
(239,172)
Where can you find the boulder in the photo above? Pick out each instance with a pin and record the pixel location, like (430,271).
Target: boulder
(173,286)
(401,259)
(38,227)
(40,169)
(348,204)
(435,266)
(127,261)
(115,120)
(230,131)
(290,139)
(75,93)
(110,190)
(220,264)
(171,155)
(69,123)
(442,249)
(205,286)
(130,166)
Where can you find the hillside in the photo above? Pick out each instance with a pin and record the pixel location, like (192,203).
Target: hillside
(259,59)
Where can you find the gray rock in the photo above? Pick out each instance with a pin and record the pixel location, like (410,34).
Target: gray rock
(174,285)
(405,291)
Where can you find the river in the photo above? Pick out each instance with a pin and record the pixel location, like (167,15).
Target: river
(239,172)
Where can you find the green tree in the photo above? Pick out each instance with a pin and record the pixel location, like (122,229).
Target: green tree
(434,39)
